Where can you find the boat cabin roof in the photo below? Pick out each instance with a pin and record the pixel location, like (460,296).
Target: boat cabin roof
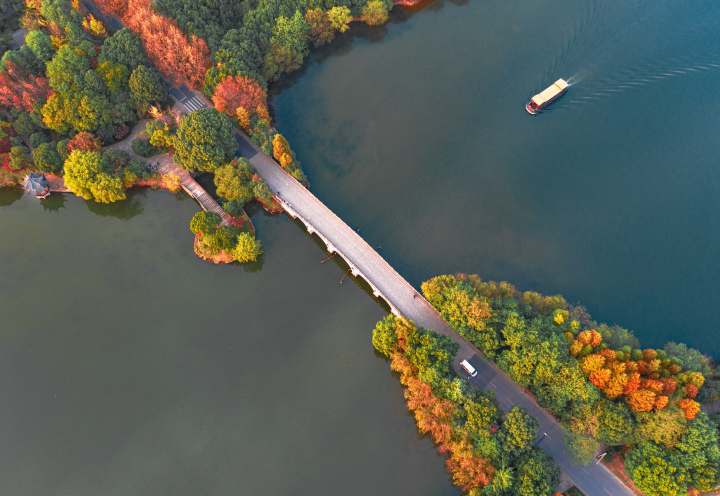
(550,92)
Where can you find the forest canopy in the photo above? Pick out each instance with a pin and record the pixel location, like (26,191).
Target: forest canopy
(596,379)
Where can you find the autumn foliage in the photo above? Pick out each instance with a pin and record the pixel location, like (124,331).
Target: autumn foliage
(241,97)
(180,58)
(21,91)
(84,141)
(646,379)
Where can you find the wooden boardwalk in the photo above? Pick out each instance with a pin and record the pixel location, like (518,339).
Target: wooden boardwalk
(193,188)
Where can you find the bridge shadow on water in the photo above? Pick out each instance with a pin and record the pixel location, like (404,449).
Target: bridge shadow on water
(345,275)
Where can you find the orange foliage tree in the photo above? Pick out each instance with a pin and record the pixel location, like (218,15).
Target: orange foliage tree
(21,91)
(468,470)
(84,141)
(181,59)
(241,97)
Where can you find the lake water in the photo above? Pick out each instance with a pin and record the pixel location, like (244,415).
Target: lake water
(128,366)
(417,135)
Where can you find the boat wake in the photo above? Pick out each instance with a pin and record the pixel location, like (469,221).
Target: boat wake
(614,88)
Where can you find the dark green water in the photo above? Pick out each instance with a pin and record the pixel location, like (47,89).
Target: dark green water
(129,367)
(417,135)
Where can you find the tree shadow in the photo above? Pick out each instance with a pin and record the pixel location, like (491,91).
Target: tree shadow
(53,203)
(8,196)
(124,210)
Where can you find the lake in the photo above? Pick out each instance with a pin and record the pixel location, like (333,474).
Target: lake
(131,367)
(416,134)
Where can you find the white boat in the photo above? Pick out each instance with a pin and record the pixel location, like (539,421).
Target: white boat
(546,96)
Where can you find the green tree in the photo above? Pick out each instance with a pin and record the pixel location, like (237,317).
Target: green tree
(665,427)
(204,222)
(616,426)
(46,157)
(20,157)
(536,475)
(699,453)
(518,431)
(655,471)
(123,47)
(247,249)
(204,140)
(581,447)
(86,177)
(340,17)
(234,181)
(375,13)
(384,338)
(40,45)
(288,46)
(146,88)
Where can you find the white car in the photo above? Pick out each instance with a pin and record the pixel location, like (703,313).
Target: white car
(468,368)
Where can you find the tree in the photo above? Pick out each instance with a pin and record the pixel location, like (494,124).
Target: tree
(46,158)
(146,88)
(84,141)
(518,431)
(204,140)
(204,222)
(339,17)
(320,29)
(581,447)
(180,58)
(247,249)
(40,45)
(654,471)
(20,90)
(234,181)
(384,338)
(85,176)
(94,26)
(241,92)
(616,426)
(536,475)
(288,46)
(699,453)
(20,157)
(375,13)
(123,47)
(665,427)
(281,150)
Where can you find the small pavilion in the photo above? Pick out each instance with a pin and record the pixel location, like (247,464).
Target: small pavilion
(36,184)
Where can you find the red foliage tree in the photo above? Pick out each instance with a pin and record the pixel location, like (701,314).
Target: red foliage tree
(117,8)
(234,92)
(21,91)
(84,141)
(468,470)
(179,58)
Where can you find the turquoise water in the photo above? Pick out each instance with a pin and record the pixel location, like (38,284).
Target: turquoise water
(416,133)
